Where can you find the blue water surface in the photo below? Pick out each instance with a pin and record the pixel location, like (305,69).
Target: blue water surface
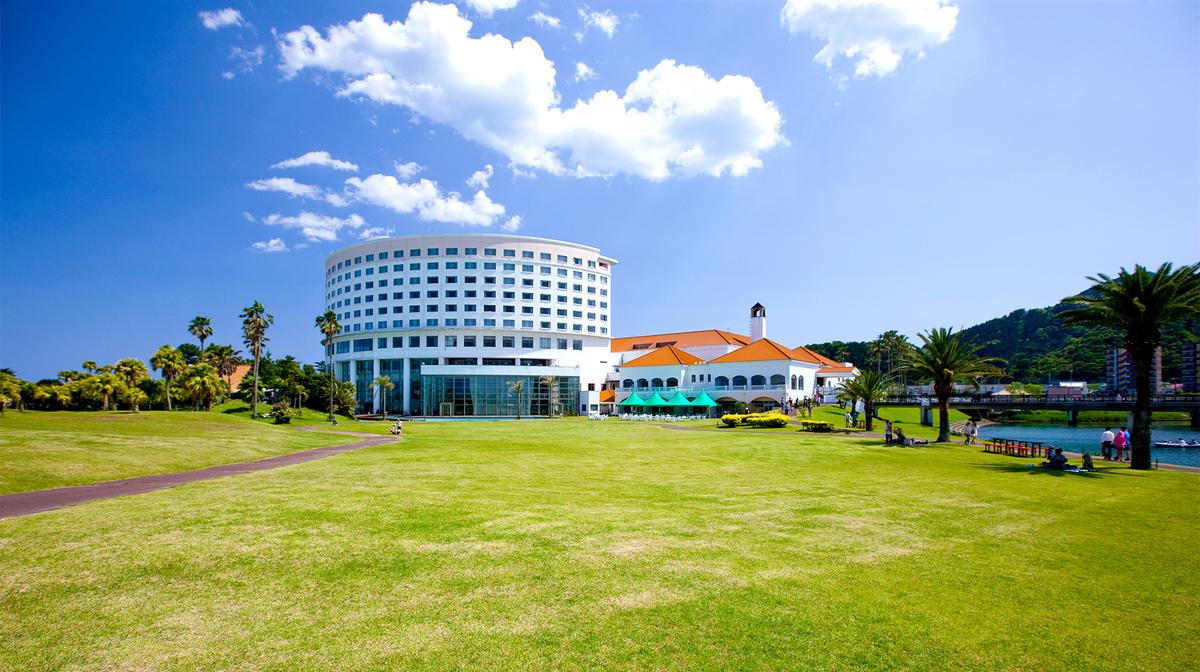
(1087,437)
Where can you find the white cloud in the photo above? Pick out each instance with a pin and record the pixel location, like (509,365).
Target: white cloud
(512,224)
(545,20)
(605,21)
(296,189)
(489,7)
(373,232)
(228,74)
(315,227)
(247,59)
(876,34)
(286,185)
(247,216)
(407,170)
(583,72)
(479,179)
(272,245)
(215,20)
(672,120)
(425,198)
(321,158)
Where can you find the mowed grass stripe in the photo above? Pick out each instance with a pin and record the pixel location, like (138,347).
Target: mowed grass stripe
(584,545)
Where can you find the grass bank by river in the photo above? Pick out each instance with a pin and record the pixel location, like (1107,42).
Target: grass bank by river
(1085,417)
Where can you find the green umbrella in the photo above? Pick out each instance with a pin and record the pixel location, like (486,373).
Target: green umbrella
(703,400)
(677,400)
(632,400)
(654,400)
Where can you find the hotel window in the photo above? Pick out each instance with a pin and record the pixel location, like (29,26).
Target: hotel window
(342,347)
(468,341)
(414,281)
(561,312)
(489,251)
(527,282)
(383,255)
(431,294)
(358,260)
(561,285)
(527,268)
(489,323)
(414,341)
(562,344)
(543,311)
(544,256)
(414,323)
(370,257)
(576,327)
(562,299)
(383,310)
(452,279)
(431,279)
(433,266)
(469,308)
(470,265)
(370,271)
(509,266)
(414,253)
(451,341)
(382,269)
(414,295)
(545,325)
(591,264)
(489,341)
(432,251)
(431,308)
(489,308)
(510,324)
(577,274)
(510,253)
(397,341)
(509,281)
(578,261)
(414,267)
(562,272)
(451,265)
(510,309)
(591,329)
(577,301)
(451,322)
(362,345)
(450,308)
(562,258)
(603,317)
(451,293)
(544,343)
(543,297)
(383,283)
(509,295)
(470,293)
(381,342)
(526,324)
(591,316)
(577,288)
(508,342)
(527,254)
(431,341)
(470,251)
(545,270)
(544,284)
(397,324)
(470,280)
(527,342)
(604,330)
(358,299)
(489,265)
(451,251)
(397,254)
(577,344)
(576,314)
(526,296)
(604,304)
(414,309)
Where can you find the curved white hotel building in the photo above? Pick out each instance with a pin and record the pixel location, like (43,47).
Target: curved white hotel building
(455,320)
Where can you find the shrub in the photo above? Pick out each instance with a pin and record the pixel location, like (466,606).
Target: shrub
(283,414)
(732,419)
(816,426)
(767,420)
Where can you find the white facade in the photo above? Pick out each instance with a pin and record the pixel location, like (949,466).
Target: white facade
(482,304)
(774,380)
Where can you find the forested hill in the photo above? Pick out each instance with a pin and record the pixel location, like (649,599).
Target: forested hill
(1037,345)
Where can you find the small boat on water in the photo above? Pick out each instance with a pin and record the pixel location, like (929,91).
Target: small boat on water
(1182,443)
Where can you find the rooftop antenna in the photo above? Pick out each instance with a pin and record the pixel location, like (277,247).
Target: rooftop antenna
(391,231)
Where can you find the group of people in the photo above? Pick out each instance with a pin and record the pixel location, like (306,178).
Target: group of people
(970,432)
(795,406)
(851,417)
(397,428)
(1055,459)
(893,435)
(1115,446)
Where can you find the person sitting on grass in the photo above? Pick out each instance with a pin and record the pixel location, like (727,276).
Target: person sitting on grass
(1087,462)
(1056,460)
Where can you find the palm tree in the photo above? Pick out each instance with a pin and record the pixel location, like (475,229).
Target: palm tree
(201,328)
(89,366)
(107,385)
(1140,303)
(868,387)
(255,321)
(327,324)
(551,383)
(204,384)
(132,371)
(517,387)
(170,362)
(944,358)
(224,359)
(383,384)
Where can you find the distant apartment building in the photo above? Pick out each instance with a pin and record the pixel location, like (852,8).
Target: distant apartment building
(1189,352)
(1119,374)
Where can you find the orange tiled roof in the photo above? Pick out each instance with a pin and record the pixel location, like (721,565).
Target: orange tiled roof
(837,369)
(680,339)
(608,396)
(665,356)
(810,355)
(761,350)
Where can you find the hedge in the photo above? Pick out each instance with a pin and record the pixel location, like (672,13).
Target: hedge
(816,426)
(756,419)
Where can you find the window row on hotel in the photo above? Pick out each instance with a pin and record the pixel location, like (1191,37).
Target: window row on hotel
(453,252)
(470,322)
(467,266)
(453,341)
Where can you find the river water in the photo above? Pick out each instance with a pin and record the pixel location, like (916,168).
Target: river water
(1088,437)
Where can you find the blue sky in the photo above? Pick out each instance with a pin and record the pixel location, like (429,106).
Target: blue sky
(964,160)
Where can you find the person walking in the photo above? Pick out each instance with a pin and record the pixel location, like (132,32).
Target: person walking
(1120,442)
(887,433)
(1106,444)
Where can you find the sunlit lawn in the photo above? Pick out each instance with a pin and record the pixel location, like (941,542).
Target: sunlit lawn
(576,544)
(44,450)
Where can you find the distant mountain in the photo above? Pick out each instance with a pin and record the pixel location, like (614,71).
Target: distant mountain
(1037,345)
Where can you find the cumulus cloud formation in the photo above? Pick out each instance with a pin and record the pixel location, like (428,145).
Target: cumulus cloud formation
(407,170)
(314,227)
(605,21)
(875,34)
(583,72)
(425,198)
(272,245)
(489,7)
(296,189)
(672,120)
(479,179)
(321,158)
(246,59)
(545,20)
(218,19)
(512,224)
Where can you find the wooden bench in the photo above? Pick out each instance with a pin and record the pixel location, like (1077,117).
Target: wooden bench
(1013,447)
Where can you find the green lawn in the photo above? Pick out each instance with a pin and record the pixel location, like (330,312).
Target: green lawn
(46,450)
(576,544)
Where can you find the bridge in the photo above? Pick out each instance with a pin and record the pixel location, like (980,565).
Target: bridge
(1072,404)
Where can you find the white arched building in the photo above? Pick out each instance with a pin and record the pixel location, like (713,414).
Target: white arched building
(728,367)
(455,320)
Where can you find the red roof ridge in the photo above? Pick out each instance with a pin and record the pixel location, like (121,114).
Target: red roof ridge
(761,350)
(665,356)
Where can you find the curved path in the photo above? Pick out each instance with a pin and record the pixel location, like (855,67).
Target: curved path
(25,503)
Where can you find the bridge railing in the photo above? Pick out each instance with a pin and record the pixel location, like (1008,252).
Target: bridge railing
(1026,399)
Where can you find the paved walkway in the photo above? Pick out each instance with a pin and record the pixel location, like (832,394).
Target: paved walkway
(25,503)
